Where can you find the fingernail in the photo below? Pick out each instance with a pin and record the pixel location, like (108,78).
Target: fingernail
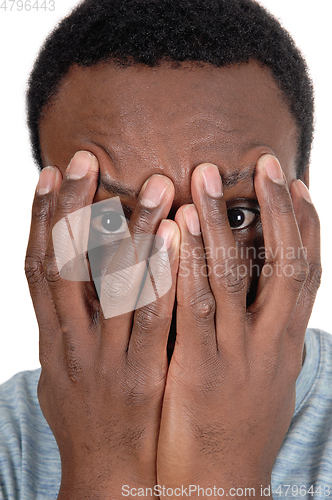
(273,169)
(154,191)
(192,220)
(212,181)
(166,232)
(304,191)
(81,163)
(46,181)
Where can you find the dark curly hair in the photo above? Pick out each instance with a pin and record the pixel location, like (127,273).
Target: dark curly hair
(219,32)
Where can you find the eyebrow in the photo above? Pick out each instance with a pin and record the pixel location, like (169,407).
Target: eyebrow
(237,176)
(228,181)
(114,187)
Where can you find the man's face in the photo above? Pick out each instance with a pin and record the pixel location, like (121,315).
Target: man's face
(139,121)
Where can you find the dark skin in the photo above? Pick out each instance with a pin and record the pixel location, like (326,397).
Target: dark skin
(217,413)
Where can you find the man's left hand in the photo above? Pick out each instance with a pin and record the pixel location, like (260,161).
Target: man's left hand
(230,390)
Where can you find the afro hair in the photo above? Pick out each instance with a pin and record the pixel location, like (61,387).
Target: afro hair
(219,32)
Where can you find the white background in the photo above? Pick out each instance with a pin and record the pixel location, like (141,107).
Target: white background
(21,35)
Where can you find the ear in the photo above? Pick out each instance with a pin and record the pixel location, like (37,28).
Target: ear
(305,176)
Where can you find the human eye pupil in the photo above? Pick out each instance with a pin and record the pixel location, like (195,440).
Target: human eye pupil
(236,217)
(111,221)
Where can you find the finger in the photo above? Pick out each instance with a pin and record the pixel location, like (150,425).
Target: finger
(153,315)
(195,311)
(41,220)
(308,223)
(65,264)
(285,269)
(122,284)
(227,274)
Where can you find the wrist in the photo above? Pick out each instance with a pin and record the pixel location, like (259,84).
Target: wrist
(99,486)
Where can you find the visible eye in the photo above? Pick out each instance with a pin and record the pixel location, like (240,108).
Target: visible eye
(110,222)
(240,218)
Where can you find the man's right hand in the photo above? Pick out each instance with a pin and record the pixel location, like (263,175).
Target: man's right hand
(102,380)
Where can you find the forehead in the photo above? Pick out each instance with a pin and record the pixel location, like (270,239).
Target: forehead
(141,120)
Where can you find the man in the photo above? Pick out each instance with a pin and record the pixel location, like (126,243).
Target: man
(202,127)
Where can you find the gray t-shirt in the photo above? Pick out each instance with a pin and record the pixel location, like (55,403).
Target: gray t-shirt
(30,467)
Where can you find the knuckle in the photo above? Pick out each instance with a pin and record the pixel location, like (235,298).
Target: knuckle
(70,199)
(314,277)
(50,269)
(150,316)
(215,218)
(144,223)
(234,279)
(300,269)
(281,205)
(33,268)
(161,269)
(203,307)
(297,272)
(41,209)
(117,287)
